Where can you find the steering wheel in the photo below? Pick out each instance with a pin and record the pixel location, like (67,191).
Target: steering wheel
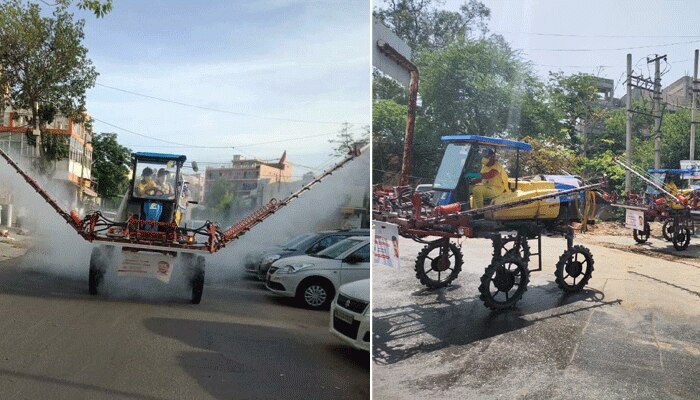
(154,192)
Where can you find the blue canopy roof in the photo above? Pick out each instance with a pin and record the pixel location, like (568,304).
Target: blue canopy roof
(160,156)
(489,141)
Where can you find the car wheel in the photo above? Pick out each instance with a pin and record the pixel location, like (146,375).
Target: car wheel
(315,295)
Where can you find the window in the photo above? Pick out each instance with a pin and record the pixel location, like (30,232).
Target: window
(324,243)
(362,254)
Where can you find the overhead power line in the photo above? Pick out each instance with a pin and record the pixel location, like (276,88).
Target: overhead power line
(599,35)
(617,48)
(238,113)
(178,145)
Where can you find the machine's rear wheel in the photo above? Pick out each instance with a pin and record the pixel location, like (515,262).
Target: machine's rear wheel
(667,230)
(197,281)
(515,246)
(681,240)
(97,269)
(438,264)
(574,269)
(642,236)
(504,282)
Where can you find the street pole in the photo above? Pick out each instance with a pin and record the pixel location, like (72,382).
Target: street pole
(628,128)
(657,109)
(694,111)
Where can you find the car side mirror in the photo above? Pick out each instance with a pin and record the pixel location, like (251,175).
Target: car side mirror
(352,259)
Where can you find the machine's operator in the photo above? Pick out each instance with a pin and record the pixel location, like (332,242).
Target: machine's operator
(166,189)
(146,185)
(493,177)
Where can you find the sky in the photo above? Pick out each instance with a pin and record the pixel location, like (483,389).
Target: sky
(601,32)
(235,74)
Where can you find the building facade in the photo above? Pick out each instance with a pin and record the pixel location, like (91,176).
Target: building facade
(74,172)
(246,178)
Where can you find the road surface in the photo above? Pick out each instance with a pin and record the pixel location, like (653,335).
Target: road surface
(633,333)
(59,342)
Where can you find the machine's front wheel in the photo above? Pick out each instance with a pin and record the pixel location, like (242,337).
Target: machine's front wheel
(667,230)
(574,269)
(438,264)
(642,236)
(197,281)
(681,240)
(97,268)
(504,282)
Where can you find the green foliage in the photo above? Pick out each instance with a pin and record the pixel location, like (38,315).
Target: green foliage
(546,158)
(603,164)
(43,60)
(110,165)
(346,140)
(386,88)
(55,147)
(422,25)
(220,201)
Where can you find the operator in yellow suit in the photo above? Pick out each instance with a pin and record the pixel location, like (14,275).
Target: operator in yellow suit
(493,177)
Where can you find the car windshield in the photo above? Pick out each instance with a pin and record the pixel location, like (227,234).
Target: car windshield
(292,244)
(338,248)
(451,166)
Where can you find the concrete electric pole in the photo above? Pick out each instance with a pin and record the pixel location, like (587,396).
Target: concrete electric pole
(657,109)
(693,113)
(628,128)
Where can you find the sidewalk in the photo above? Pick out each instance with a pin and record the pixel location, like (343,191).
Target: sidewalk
(14,245)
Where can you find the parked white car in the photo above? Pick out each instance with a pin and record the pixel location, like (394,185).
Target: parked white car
(350,314)
(314,279)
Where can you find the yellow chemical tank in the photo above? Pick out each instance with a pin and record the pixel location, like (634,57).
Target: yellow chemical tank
(546,209)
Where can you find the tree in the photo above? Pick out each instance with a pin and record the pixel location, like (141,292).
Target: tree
(422,25)
(110,165)
(576,99)
(43,62)
(346,141)
(219,200)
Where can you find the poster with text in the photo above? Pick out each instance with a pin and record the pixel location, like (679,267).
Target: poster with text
(386,245)
(634,219)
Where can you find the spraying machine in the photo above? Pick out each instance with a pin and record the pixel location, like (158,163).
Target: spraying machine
(149,227)
(678,209)
(526,209)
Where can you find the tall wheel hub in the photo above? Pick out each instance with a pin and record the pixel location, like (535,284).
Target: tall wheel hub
(440,263)
(574,268)
(504,280)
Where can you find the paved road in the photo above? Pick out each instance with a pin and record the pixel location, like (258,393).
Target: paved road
(634,332)
(58,342)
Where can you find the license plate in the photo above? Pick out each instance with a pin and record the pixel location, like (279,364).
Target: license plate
(343,316)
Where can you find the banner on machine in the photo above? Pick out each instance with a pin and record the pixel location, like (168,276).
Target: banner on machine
(151,265)
(386,245)
(634,219)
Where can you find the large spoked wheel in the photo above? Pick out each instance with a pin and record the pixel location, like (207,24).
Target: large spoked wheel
(515,246)
(574,269)
(197,280)
(667,230)
(642,236)
(681,240)
(504,282)
(438,264)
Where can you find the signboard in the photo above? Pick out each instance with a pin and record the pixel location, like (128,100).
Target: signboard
(693,165)
(151,265)
(381,32)
(386,245)
(634,219)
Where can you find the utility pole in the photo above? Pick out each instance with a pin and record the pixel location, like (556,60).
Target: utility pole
(693,113)
(628,128)
(657,108)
